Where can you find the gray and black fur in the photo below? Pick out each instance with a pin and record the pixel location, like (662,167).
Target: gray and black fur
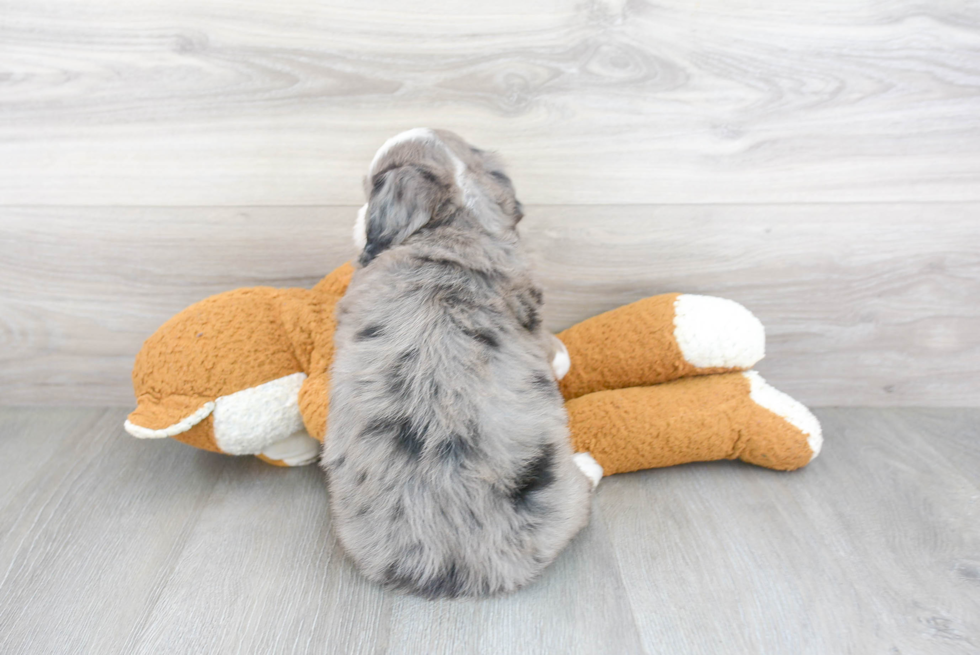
(447,452)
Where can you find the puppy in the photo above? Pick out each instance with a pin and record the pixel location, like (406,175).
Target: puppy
(447,452)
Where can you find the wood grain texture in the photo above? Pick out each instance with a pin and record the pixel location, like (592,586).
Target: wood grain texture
(81,288)
(867,304)
(109,544)
(959,441)
(154,102)
(872,548)
(261,572)
(864,304)
(578,606)
(87,540)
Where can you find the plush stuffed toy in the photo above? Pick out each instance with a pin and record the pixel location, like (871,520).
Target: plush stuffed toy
(659,382)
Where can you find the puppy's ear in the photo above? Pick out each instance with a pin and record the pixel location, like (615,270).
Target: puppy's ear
(403,199)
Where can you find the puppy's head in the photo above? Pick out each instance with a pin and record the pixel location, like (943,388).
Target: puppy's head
(424,176)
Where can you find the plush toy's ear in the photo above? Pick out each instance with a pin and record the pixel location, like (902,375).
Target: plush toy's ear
(403,199)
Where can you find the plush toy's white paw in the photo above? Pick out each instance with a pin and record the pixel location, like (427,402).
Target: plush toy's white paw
(795,412)
(360,229)
(715,332)
(247,421)
(591,468)
(561,361)
(299,449)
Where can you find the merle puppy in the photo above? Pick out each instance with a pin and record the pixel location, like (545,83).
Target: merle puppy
(447,451)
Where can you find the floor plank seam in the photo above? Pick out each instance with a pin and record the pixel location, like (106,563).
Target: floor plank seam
(166,575)
(619,573)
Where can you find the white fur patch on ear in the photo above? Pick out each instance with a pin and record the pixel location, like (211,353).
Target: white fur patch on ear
(780,404)
(247,421)
(360,228)
(414,134)
(298,449)
(591,468)
(716,332)
(561,362)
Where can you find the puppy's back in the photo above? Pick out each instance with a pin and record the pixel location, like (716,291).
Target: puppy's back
(447,450)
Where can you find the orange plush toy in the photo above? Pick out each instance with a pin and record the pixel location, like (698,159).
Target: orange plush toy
(659,382)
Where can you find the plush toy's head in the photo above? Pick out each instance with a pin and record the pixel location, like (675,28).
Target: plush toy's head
(207,375)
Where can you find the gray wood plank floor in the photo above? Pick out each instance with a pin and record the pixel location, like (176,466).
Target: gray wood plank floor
(112,545)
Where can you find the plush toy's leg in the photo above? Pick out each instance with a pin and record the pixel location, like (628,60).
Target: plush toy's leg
(659,339)
(249,421)
(726,416)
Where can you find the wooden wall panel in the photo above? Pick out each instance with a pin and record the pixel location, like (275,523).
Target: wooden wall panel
(154,102)
(864,304)
(818,161)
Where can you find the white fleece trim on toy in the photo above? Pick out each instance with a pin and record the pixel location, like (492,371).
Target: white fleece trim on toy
(780,404)
(179,427)
(248,421)
(591,468)
(716,332)
(298,449)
